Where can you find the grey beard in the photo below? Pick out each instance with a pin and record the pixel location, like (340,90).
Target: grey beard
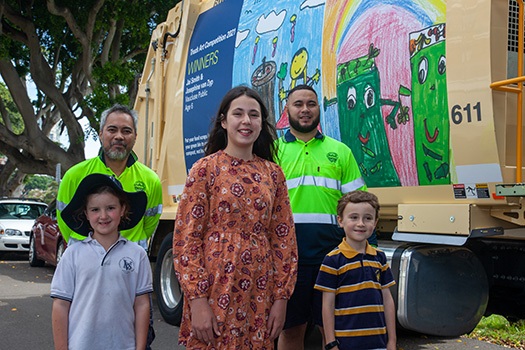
(116,155)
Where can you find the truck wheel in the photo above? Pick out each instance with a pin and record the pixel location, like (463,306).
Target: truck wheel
(166,285)
(34,261)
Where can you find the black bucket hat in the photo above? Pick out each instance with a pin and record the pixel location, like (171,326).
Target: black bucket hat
(77,220)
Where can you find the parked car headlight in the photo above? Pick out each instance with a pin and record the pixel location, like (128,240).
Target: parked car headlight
(13,232)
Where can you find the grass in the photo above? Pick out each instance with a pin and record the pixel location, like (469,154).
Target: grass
(498,330)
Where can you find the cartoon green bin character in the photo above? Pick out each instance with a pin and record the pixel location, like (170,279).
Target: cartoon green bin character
(360,119)
(430,105)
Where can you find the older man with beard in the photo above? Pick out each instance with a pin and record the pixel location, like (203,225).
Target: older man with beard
(118,132)
(318,170)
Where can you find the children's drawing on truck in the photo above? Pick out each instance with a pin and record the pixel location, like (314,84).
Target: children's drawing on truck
(350,27)
(279,39)
(299,69)
(430,105)
(298,75)
(361,122)
(400,135)
(293,18)
(264,76)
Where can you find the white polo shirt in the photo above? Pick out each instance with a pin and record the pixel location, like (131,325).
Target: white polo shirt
(102,287)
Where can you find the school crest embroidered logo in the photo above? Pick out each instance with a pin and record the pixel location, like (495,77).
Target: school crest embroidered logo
(127,265)
(332,157)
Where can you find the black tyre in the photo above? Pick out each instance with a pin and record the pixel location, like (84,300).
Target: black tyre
(33,259)
(166,285)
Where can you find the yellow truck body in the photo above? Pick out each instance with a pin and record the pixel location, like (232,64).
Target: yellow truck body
(427,94)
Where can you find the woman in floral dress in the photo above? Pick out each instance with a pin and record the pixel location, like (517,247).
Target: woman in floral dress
(234,245)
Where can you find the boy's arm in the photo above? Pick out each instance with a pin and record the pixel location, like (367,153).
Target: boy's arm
(328,311)
(390,317)
(141,307)
(60,321)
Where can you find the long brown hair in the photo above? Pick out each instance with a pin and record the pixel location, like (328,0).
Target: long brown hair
(263,147)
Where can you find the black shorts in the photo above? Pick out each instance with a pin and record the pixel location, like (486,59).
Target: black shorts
(305,303)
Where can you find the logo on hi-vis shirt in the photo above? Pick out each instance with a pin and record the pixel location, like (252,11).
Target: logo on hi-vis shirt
(140,186)
(332,156)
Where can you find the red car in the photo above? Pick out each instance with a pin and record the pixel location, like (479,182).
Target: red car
(46,243)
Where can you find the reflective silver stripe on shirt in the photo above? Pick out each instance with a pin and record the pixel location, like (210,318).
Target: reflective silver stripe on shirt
(315,218)
(353,185)
(309,180)
(61,205)
(153,211)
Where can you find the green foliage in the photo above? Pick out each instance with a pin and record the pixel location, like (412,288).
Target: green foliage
(14,116)
(497,329)
(45,196)
(37,181)
(17,52)
(111,74)
(83,58)
(114,73)
(42,187)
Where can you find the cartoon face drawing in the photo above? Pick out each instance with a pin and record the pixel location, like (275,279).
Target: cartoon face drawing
(298,67)
(361,122)
(430,105)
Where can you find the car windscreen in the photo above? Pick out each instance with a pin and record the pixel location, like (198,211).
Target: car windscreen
(24,211)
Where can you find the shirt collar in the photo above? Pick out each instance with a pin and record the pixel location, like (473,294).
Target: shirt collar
(350,252)
(289,137)
(90,238)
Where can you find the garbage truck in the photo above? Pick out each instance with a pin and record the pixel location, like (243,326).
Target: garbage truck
(428,96)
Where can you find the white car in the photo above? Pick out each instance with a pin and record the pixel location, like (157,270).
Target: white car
(17,216)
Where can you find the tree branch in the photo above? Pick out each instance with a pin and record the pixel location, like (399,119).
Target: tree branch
(5,115)
(85,37)
(104,56)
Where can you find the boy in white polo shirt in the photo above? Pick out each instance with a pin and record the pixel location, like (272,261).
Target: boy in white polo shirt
(101,285)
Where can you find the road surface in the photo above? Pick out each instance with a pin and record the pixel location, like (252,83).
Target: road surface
(25,315)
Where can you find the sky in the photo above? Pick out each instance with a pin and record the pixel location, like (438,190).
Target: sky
(92,146)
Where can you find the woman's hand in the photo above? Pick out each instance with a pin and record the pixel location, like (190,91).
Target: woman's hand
(276,318)
(203,322)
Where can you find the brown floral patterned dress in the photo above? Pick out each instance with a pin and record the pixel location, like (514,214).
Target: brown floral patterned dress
(234,243)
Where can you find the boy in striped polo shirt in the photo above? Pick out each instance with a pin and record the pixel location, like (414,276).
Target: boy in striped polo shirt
(358,308)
